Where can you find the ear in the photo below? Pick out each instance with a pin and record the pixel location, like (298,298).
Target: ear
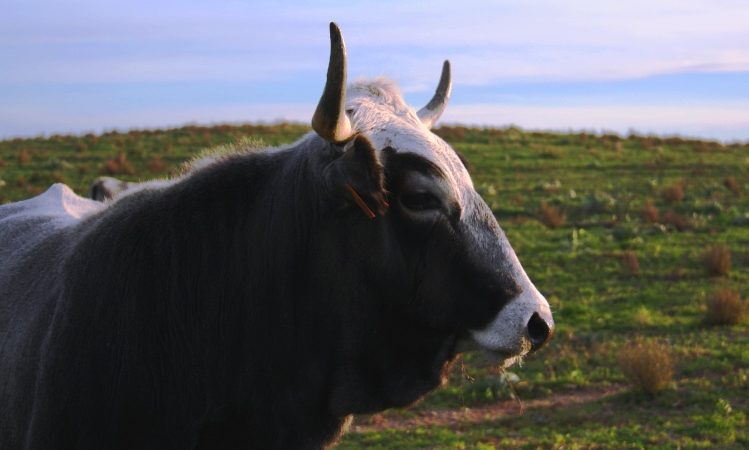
(357,178)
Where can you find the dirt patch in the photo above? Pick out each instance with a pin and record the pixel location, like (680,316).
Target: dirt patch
(479,414)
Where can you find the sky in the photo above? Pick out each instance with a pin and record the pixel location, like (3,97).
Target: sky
(657,66)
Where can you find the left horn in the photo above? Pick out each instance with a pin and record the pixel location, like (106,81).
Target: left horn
(436,106)
(330,120)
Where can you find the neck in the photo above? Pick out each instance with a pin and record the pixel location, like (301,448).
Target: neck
(209,273)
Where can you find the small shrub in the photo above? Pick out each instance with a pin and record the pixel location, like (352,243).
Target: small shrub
(647,364)
(118,165)
(647,143)
(676,274)
(650,212)
(24,157)
(551,153)
(732,185)
(677,221)
(2,162)
(551,216)
(156,165)
(725,307)
(673,193)
(630,263)
(717,260)
(451,133)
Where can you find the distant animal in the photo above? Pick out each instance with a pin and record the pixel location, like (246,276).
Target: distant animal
(104,188)
(261,299)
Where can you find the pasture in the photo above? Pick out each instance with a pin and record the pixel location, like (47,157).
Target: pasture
(627,237)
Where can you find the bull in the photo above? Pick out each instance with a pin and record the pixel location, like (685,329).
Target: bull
(263,298)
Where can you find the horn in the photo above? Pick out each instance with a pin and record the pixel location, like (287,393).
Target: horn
(436,106)
(330,120)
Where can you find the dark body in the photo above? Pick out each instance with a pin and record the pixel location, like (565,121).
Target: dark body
(245,306)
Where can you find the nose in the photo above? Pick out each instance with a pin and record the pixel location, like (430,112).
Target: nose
(539,331)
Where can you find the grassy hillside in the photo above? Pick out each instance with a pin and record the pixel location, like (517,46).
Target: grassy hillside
(638,239)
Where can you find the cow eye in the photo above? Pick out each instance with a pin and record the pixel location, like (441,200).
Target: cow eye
(420,201)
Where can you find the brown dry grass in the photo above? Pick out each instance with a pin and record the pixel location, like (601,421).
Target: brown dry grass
(551,216)
(677,221)
(24,157)
(650,212)
(673,193)
(156,165)
(647,364)
(630,262)
(732,185)
(725,307)
(118,166)
(717,260)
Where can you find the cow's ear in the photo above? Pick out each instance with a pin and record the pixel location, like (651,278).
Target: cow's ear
(357,178)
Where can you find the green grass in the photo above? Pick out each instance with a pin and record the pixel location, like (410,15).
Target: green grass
(601,184)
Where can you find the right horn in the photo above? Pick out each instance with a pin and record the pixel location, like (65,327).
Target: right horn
(436,106)
(330,120)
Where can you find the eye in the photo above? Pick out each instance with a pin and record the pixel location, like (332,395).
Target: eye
(420,201)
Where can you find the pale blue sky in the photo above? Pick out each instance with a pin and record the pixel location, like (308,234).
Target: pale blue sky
(654,66)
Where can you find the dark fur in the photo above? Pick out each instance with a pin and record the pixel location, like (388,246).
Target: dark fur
(250,305)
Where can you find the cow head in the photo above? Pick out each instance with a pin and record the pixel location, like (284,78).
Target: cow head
(448,265)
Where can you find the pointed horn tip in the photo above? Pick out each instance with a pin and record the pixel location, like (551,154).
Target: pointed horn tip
(335,30)
(430,113)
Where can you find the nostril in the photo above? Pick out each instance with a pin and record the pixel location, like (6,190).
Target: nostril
(538,331)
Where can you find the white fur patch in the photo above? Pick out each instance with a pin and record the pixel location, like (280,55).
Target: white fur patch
(507,332)
(381,114)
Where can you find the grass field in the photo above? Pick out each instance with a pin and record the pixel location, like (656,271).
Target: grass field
(628,237)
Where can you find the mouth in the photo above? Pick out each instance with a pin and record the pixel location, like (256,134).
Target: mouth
(498,357)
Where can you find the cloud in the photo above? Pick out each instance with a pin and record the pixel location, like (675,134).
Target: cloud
(94,41)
